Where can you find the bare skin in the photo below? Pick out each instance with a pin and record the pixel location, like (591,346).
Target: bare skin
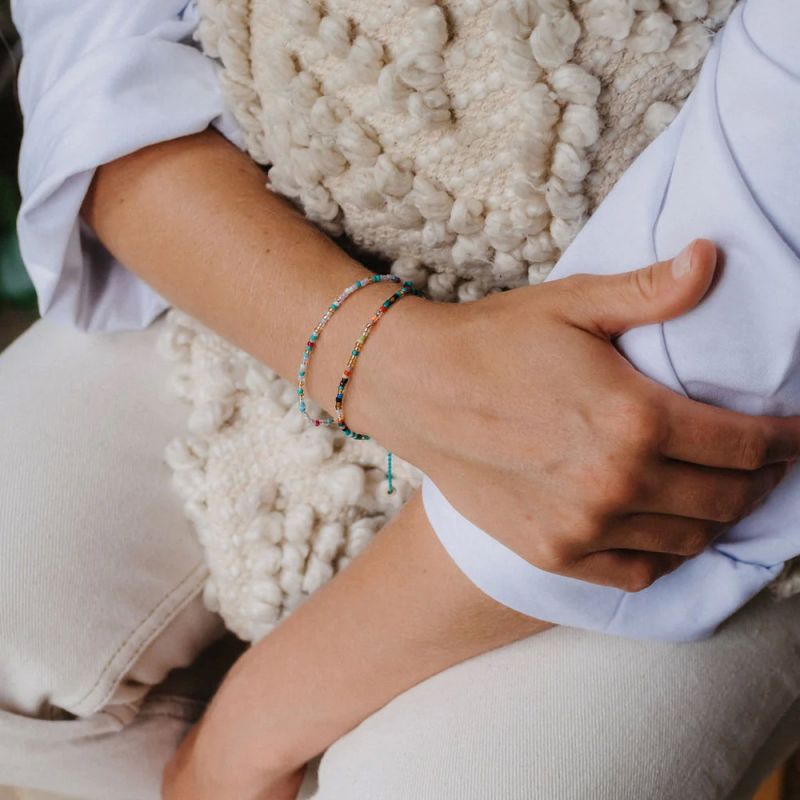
(328,671)
(518,406)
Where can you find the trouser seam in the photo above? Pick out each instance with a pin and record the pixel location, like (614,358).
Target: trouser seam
(163,613)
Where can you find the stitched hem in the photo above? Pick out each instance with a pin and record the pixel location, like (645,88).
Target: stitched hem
(173,706)
(120,662)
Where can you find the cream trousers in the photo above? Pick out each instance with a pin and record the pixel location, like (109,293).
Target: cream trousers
(100,577)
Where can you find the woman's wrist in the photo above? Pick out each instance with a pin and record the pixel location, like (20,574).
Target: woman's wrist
(246,264)
(393,388)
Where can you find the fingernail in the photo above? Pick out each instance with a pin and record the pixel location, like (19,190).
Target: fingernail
(682,263)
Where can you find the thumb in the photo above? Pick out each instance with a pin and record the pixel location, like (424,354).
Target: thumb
(615,303)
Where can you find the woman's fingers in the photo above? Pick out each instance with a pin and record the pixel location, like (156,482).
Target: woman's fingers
(717,437)
(609,305)
(718,495)
(662,533)
(676,511)
(629,570)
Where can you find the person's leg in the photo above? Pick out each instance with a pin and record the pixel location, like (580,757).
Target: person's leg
(571,714)
(118,753)
(100,571)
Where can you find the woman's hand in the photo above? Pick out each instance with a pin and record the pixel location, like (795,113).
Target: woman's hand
(189,776)
(518,405)
(539,431)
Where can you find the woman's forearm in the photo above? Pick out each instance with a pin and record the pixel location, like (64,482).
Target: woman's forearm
(400,612)
(513,404)
(192,217)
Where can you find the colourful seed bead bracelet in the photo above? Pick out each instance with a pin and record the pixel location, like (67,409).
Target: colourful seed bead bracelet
(407,288)
(315,334)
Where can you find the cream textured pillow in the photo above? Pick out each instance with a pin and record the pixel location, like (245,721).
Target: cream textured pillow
(464,141)
(468,139)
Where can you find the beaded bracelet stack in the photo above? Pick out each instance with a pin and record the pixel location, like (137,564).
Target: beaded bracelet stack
(315,334)
(406,288)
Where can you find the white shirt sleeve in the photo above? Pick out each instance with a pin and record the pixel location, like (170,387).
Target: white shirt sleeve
(100,79)
(727,169)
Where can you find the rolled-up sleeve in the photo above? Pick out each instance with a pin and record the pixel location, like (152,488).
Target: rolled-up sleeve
(100,79)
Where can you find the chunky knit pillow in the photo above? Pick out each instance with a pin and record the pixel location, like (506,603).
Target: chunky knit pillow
(466,141)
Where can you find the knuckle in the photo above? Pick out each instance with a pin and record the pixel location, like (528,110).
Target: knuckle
(586,532)
(641,574)
(613,491)
(578,284)
(574,291)
(623,489)
(694,543)
(553,554)
(725,513)
(752,451)
(579,523)
(612,482)
(644,282)
(636,424)
(645,429)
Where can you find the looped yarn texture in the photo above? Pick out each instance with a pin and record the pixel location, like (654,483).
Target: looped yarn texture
(466,141)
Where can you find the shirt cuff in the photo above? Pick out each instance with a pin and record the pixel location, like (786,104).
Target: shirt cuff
(142,91)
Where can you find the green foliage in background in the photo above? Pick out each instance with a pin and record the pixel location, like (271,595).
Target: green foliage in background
(15,285)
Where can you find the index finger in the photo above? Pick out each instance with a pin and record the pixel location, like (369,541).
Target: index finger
(718,437)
